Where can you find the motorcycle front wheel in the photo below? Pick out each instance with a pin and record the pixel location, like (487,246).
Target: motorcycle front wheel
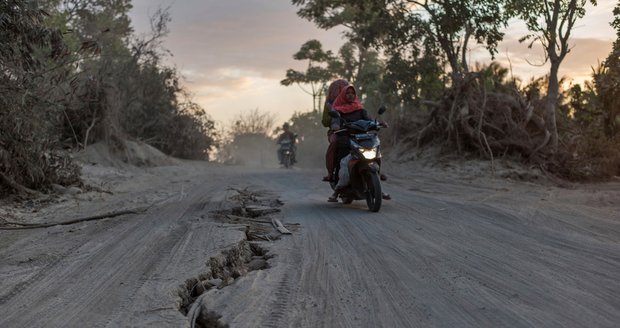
(287,161)
(373,191)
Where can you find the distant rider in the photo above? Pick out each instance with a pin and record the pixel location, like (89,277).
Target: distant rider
(287,135)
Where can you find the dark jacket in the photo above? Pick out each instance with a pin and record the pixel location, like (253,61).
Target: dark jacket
(287,135)
(361,114)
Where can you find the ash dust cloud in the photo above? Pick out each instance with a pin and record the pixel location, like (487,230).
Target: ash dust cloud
(255,150)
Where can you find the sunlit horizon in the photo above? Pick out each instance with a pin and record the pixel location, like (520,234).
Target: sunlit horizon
(232,61)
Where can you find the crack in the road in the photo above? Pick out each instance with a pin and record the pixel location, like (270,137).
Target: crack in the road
(223,270)
(251,210)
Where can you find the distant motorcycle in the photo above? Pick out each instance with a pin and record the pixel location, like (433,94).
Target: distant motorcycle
(364,167)
(287,152)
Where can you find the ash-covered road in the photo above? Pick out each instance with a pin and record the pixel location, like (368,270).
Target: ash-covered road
(443,253)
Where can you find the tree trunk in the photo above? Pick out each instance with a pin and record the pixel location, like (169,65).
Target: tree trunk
(362,53)
(551,104)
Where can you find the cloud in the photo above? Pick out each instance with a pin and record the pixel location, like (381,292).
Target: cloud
(233,53)
(224,83)
(247,34)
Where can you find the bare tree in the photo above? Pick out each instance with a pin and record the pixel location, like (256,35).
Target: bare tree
(550,23)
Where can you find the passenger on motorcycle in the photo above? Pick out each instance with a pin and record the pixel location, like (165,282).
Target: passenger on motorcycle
(287,137)
(332,93)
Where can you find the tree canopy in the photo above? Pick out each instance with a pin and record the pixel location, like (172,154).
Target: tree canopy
(421,49)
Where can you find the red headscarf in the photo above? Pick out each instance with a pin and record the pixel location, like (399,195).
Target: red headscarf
(342,105)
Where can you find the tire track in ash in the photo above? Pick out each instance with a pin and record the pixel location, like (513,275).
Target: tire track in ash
(427,260)
(510,271)
(351,269)
(289,253)
(287,288)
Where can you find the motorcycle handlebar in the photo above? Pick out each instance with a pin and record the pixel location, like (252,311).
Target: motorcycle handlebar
(379,125)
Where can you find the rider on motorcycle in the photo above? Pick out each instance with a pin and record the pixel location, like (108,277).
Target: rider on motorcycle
(350,110)
(289,136)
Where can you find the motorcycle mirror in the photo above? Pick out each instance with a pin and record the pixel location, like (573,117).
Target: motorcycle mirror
(382,110)
(334,114)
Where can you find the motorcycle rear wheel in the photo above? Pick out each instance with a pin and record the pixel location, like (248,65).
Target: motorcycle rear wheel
(373,191)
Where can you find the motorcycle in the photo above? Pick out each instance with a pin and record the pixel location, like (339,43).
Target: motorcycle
(365,164)
(287,152)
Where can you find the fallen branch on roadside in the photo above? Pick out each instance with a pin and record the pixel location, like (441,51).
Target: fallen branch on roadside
(279,226)
(23,226)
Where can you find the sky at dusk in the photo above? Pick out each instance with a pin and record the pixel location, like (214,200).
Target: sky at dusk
(233,54)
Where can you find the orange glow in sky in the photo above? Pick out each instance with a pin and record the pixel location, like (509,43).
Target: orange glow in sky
(234,53)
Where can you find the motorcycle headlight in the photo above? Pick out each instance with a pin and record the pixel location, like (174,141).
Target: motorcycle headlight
(369,153)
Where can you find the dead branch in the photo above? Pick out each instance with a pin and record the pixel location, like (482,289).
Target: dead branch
(23,226)
(92,125)
(495,121)
(480,120)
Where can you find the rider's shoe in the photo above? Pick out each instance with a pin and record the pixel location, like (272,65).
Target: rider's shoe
(386,196)
(333,198)
(327,178)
